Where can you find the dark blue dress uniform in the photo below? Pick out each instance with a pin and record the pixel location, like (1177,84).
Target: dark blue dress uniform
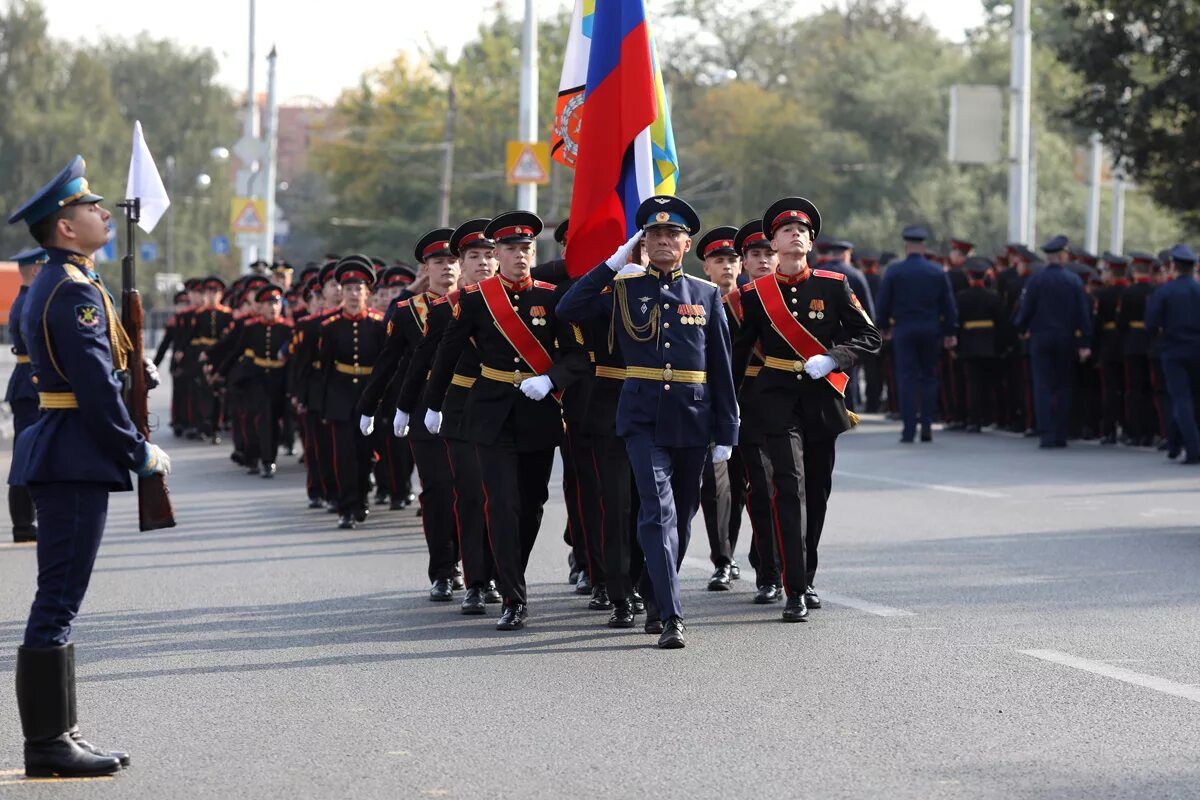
(678,395)
(1055,310)
(21,397)
(1174,312)
(1141,417)
(916,302)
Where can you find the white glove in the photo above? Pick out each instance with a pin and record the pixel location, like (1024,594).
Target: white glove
(433,421)
(157,462)
(400,424)
(722,452)
(624,253)
(537,388)
(631,269)
(819,366)
(366,424)
(152,379)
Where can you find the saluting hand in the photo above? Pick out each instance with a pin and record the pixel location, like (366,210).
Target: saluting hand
(624,253)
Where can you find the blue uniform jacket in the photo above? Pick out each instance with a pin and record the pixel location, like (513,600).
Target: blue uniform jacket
(1053,302)
(66,328)
(676,414)
(20,387)
(857,281)
(1174,310)
(915,294)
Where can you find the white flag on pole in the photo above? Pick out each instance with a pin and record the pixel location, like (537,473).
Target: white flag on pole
(145,182)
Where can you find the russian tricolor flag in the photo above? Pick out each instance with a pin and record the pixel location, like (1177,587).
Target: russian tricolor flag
(619,136)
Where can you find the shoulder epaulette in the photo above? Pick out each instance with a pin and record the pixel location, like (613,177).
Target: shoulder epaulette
(824,273)
(629,275)
(702,280)
(75,274)
(749,287)
(441,301)
(403,303)
(544,285)
(375,315)
(472,289)
(250,322)
(325,322)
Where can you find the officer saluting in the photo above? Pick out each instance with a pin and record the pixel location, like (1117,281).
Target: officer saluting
(81,448)
(678,396)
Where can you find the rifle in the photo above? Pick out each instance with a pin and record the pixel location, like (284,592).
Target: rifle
(154,502)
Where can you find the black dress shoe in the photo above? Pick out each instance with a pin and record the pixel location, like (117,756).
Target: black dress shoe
(672,635)
(599,601)
(441,591)
(622,616)
(584,584)
(906,440)
(331,506)
(719,582)
(811,598)
(926,435)
(120,755)
(216,439)
(397,505)
(458,579)
(735,572)
(473,603)
(513,617)
(491,595)
(768,594)
(639,605)
(316,502)
(654,625)
(795,610)
(361,514)
(237,458)
(268,470)
(382,499)
(346,522)
(573,577)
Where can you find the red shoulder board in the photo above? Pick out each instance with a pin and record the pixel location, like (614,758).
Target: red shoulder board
(254,322)
(226,309)
(544,285)
(749,287)
(329,321)
(824,273)
(441,301)
(284,321)
(472,288)
(375,315)
(403,303)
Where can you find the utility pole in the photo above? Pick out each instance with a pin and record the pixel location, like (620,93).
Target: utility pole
(1091,231)
(447,162)
(527,193)
(1116,241)
(248,150)
(271,133)
(1020,106)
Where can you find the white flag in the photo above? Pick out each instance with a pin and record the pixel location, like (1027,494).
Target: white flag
(145,182)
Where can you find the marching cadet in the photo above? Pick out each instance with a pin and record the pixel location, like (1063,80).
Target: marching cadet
(1174,312)
(1141,418)
(185,360)
(678,396)
(82,446)
(308,396)
(982,337)
(405,323)
(723,488)
(525,354)
(1110,347)
(477,260)
(349,345)
(801,389)
(872,365)
(760,259)
(956,261)
(1054,309)
(171,341)
(237,405)
(21,395)
(208,320)
(917,307)
(393,475)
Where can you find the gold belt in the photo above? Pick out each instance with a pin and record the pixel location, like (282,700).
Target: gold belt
(351,369)
(203,340)
(500,376)
(978,324)
(783,364)
(1137,323)
(666,374)
(616,373)
(22,359)
(57,400)
(753,370)
(1109,326)
(462,380)
(269,363)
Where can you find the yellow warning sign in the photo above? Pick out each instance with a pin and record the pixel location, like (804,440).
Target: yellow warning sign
(528,162)
(248,215)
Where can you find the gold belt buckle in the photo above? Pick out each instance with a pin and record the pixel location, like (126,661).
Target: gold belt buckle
(797,366)
(668,373)
(517,378)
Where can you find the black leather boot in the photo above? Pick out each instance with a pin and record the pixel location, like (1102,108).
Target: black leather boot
(73,716)
(44,694)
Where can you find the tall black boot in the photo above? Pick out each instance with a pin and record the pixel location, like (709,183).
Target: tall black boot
(24,518)
(44,700)
(73,716)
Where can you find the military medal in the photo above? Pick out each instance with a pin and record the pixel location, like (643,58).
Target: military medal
(538,314)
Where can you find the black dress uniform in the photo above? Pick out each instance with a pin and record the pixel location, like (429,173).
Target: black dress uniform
(514,434)
(309,391)
(1110,350)
(802,416)
(171,342)
(393,474)
(207,323)
(1141,416)
(21,396)
(237,405)
(983,335)
(348,348)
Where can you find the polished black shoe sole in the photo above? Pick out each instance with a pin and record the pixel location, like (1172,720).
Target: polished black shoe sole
(441,598)
(47,772)
(621,623)
(718,586)
(794,618)
(672,643)
(474,611)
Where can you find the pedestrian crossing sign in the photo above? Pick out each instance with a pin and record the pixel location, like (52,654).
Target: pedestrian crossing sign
(248,215)
(528,162)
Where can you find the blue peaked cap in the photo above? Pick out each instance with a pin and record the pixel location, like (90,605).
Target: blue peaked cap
(68,188)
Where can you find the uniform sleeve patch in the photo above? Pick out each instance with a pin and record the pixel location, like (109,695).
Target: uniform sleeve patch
(89,318)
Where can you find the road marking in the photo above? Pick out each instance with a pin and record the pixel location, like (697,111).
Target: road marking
(857,603)
(1184,690)
(35,781)
(939,487)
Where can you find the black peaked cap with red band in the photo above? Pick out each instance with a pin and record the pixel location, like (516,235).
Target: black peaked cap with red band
(267,293)
(792,209)
(470,234)
(560,233)
(434,243)
(751,235)
(514,226)
(355,269)
(718,242)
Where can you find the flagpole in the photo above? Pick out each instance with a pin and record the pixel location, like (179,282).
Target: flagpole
(527,193)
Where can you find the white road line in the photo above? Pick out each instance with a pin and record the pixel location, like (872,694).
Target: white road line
(1184,690)
(857,603)
(939,487)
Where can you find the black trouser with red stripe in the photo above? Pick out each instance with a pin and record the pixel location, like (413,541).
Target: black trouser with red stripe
(818,484)
(393,473)
(1112,396)
(583,504)
(516,486)
(478,565)
(352,466)
(437,504)
(622,555)
(786,454)
(265,401)
(314,480)
(764,546)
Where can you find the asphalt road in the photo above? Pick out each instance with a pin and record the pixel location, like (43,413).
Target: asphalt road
(1000,622)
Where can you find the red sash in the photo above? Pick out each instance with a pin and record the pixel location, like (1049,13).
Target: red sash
(734,299)
(804,343)
(513,327)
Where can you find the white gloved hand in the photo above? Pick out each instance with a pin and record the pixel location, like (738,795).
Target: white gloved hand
(400,424)
(537,388)
(722,452)
(157,462)
(819,366)
(631,269)
(433,421)
(624,253)
(366,424)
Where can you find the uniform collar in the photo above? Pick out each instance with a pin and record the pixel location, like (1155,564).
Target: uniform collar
(656,273)
(1142,279)
(977,284)
(1120,281)
(793,280)
(354,317)
(516,286)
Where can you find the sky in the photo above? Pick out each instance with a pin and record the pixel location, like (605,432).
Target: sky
(325,45)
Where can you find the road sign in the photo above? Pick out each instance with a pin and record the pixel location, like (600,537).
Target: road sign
(220,245)
(148,251)
(248,215)
(167,281)
(528,162)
